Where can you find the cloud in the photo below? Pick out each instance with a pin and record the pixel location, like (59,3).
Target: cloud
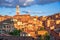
(24,3)
(46,1)
(29,0)
(33,12)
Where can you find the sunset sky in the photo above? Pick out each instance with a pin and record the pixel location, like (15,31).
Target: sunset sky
(33,7)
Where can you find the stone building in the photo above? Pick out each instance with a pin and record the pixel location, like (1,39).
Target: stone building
(6,25)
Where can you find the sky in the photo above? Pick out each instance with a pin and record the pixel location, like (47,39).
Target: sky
(33,7)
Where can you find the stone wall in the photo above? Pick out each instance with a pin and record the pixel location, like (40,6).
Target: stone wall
(15,38)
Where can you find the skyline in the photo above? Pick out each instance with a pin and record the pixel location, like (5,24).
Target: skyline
(36,9)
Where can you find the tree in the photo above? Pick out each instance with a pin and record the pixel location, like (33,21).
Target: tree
(15,32)
(39,37)
(42,28)
(47,36)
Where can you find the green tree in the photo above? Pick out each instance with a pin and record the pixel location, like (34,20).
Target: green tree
(47,36)
(42,28)
(41,37)
(15,32)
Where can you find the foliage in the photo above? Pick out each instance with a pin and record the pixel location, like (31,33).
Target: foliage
(15,32)
(40,37)
(42,28)
(47,36)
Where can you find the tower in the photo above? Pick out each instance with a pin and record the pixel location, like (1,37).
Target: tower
(17,10)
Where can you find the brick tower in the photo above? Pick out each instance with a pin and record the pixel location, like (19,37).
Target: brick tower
(17,10)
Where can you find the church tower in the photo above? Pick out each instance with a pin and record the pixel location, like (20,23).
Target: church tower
(17,10)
